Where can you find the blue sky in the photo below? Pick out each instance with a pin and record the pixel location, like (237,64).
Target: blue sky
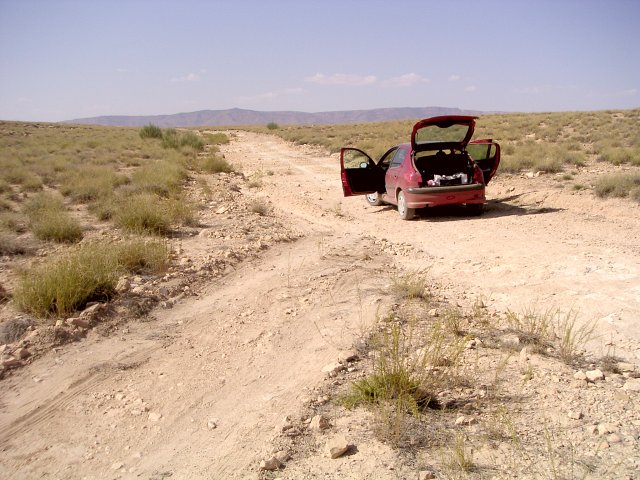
(69,59)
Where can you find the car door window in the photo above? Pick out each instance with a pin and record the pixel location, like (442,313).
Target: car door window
(398,158)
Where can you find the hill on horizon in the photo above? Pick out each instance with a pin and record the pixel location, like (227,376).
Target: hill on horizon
(238,116)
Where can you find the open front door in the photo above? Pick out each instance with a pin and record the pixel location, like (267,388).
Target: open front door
(486,154)
(360,175)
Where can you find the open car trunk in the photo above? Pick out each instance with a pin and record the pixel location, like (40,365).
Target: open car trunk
(440,169)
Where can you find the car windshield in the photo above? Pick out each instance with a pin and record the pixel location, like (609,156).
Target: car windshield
(434,133)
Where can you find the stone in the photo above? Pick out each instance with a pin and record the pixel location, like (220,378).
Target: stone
(78,322)
(626,367)
(333,368)
(117,466)
(123,285)
(271,464)
(594,375)
(319,423)
(466,420)
(524,356)
(154,416)
(433,312)
(282,456)
(605,428)
(575,415)
(337,446)
(212,424)
(346,357)
(11,362)
(580,375)
(614,438)
(92,310)
(22,353)
(632,385)
(426,475)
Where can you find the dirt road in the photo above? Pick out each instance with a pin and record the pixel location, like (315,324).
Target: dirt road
(198,390)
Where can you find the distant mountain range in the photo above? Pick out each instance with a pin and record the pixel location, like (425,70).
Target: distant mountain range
(238,116)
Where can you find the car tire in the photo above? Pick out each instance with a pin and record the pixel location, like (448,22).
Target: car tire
(405,212)
(475,209)
(373,199)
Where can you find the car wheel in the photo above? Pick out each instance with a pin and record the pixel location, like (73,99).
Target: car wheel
(475,209)
(373,199)
(405,212)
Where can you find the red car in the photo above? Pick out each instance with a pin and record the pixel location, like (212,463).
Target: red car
(439,167)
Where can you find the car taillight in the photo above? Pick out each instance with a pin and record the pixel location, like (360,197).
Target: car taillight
(415,179)
(477,175)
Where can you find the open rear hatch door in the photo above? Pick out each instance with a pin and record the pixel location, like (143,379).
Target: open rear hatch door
(360,174)
(442,133)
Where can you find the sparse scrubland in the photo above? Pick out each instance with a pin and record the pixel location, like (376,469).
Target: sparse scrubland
(537,142)
(434,380)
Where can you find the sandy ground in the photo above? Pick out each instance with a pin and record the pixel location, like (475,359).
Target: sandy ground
(200,390)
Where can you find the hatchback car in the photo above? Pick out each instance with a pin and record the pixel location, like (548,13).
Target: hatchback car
(441,166)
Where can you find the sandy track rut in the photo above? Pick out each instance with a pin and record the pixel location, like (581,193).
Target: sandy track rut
(244,351)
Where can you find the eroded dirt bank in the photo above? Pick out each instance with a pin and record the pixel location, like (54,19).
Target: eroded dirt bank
(198,390)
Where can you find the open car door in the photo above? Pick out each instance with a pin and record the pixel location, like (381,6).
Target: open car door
(360,175)
(486,154)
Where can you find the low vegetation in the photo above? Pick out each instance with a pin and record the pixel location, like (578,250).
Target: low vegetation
(67,282)
(61,177)
(441,384)
(548,142)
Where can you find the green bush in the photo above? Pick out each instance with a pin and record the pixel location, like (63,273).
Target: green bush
(49,219)
(218,138)
(215,164)
(272,126)
(619,185)
(85,274)
(142,213)
(151,131)
(143,256)
(68,283)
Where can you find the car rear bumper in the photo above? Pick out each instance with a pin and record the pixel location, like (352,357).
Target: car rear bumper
(434,196)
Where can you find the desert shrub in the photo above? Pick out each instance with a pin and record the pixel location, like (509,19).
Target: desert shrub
(411,285)
(411,363)
(259,206)
(87,273)
(161,177)
(32,183)
(69,282)
(217,138)
(618,185)
(170,138)
(215,164)
(143,256)
(57,226)
(49,220)
(150,131)
(142,212)
(180,210)
(272,126)
(88,183)
(192,140)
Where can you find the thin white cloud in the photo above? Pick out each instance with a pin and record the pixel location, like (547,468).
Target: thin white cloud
(342,79)
(190,77)
(454,78)
(406,80)
(122,70)
(470,88)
